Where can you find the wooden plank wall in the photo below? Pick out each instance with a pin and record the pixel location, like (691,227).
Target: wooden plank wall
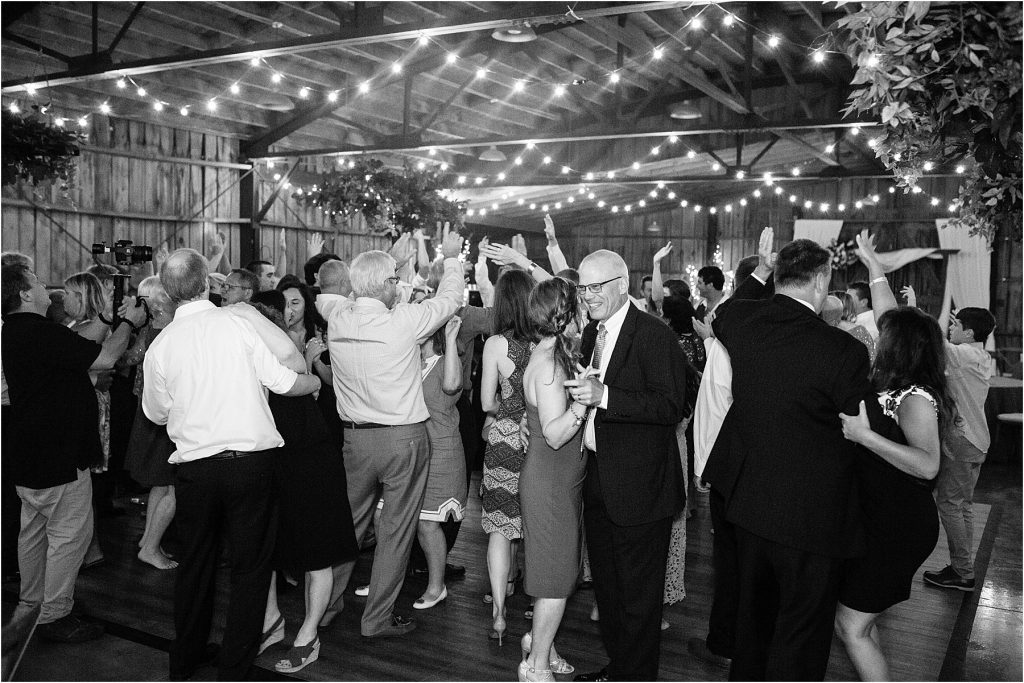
(152,184)
(899,221)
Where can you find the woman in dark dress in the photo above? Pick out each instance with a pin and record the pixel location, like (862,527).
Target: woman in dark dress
(149,447)
(315,528)
(895,479)
(551,481)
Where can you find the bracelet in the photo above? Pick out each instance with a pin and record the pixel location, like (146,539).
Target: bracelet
(531,268)
(578,418)
(877,280)
(105,321)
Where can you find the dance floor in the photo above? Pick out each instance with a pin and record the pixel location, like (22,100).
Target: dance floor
(927,637)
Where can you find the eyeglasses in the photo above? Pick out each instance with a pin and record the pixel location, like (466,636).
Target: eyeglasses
(394,279)
(595,288)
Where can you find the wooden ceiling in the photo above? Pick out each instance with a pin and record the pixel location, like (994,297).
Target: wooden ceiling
(319,79)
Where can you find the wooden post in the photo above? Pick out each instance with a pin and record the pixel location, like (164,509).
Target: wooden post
(712,238)
(248,229)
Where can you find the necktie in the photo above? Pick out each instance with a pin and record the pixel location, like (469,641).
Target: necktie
(602,334)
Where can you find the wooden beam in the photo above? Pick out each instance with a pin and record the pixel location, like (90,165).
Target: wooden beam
(447,103)
(281,182)
(510,15)
(124,27)
(598,133)
(563,181)
(33,45)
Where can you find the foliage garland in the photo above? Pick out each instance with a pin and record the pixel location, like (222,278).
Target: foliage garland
(946,83)
(391,201)
(36,150)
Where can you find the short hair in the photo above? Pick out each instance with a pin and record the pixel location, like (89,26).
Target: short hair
(612,259)
(254,267)
(333,273)
(799,261)
(368,272)
(87,286)
(645,279)
(863,290)
(16,279)
(978,320)
(713,276)
(185,275)
(570,274)
(849,307)
(248,278)
(744,269)
(832,310)
(152,289)
(312,266)
(103,272)
(512,304)
(11,258)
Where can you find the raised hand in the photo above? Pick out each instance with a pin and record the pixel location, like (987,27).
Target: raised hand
(910,295)
(765,255)
(418,235)
(519,244)
(663,252)
(314,245)
(549,228)
(282,240)
(451,328)
(481,246)
(217,245)
(502,254)
(866,249)
(452,245)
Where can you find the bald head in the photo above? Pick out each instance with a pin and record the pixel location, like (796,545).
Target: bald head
(185,276)
(832,310)
(334,278)
(608,273)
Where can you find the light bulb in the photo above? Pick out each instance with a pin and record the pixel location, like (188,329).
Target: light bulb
(829,149)
(276,78)
(277,176)
(518,161)
(691,154)
(396,68)
(565,169)
(728,19)
(818,56)
(873,60)
(421,166)
(59,122)
(444,166)
(614,78)
(928,166)
(559,90)
(713,209)
(13,108)
(255,61)
(773,41)
(661,184)
(855,131)
(655,150)
(501,176)
(960,169)
(841,207)
(611,174)
(697,23)
(951,208)
(481,72)
(270,164)
(658,53)
(697,208)
(808,204)
(451,58)
(518,87)
(743,202)
(653,194)
(122,83)
(83,122)
(600,204)
(792,199)
(671,195)
(716,166)
(728,208)
(303,92)
(684,203)
(211,105)
(858,204)
(332,96)
(544,207)
(105,108)
(673,139)
(824,207)
(636,165)
(642,203)
(615,209)
(462,180)
(478,180)
(520,201)
(570,199)
(532,206)
(558,205)
(423,40)
(591,196)
(531,145)
(30,89)
(589,176)
(546,160)
(159,106)
(740,175)
(364,87)
(235,89)
(432,151)
(778,190)
(141,92)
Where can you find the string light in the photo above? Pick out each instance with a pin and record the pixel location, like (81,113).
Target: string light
(183,111)
(235,89)
(13,108)
(122,84)
(104,108)
(255,61)
(658,53)
(614,78)
(276,77)
(396,68)
(559,90)
(141,92)
(332,96)
(773,41)
(481,73)
(159,106)
(303,92)
(364,87)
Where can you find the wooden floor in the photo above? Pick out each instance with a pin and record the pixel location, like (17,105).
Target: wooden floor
(936,635)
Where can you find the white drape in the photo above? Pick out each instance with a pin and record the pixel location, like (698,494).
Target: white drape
(822,232)
(968,274)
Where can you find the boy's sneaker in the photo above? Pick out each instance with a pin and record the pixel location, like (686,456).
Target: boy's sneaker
(948,578)
(69,629)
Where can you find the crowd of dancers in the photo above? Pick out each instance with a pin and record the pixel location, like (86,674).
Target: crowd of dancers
(284,422)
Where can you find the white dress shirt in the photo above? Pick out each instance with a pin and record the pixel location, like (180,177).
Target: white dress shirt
(867,320)
(205,378)
(375,354)
(612,326)
(713,402)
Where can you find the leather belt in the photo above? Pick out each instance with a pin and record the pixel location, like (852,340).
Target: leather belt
(365,425)
(231,455)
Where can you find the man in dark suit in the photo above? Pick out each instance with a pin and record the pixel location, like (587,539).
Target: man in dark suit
(635,383)
(784,470)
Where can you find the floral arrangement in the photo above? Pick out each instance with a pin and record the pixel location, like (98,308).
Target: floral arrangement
(945,80)
(391,201)
(843,254)
(37,150)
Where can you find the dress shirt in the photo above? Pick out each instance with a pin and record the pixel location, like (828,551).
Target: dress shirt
(612,326)
(375,354)
(968,370)
(713,402)
(205,378)
(867,320)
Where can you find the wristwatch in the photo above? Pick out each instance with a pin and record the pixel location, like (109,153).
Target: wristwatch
(531,268)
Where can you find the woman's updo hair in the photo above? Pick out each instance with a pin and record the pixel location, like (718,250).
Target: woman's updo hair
(553,306)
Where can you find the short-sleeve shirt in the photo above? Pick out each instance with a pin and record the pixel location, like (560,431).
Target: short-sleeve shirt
(53,412)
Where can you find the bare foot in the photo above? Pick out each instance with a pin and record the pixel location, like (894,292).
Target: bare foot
(157,559)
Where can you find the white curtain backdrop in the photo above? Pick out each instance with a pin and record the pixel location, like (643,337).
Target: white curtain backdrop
(822,232)
(969,273)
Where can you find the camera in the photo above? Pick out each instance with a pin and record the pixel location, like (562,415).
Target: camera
(125,252)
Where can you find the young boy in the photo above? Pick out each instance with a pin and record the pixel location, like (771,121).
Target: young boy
(968,369)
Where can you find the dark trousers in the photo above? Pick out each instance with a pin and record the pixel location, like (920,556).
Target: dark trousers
(628,568)
(722,622)
(787,606)
(232,498)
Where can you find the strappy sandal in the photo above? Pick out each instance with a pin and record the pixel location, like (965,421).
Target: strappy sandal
(274,634)
(299,657)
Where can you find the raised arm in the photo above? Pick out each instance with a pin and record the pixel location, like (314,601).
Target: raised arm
(882,298)
(282,254)
(504,255)
(422,257)
(555,256)
(657,284)
(920,425)
(483,278)
(431,314)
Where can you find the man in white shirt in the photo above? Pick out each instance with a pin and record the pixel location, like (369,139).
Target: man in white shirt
(860,292)
(375,358)
(206,376)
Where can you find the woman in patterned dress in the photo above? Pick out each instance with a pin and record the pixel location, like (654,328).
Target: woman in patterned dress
(504,361)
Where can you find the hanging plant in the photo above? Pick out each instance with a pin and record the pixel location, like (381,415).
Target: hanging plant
(843,254)
(37,150)
(946,83)
(391,202)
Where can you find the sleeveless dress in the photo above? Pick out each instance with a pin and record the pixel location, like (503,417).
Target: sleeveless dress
(551,493)
(901,524)
(445,497)
(503,458)
(315,527)
(149,447)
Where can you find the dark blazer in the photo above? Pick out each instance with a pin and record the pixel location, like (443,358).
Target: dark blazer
(637,454)
(781,462)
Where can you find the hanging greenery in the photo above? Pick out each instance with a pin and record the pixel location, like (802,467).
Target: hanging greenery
(391,201)
(844,254)
(37,150)
(946,82)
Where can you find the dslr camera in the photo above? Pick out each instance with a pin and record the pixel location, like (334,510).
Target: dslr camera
(126,253)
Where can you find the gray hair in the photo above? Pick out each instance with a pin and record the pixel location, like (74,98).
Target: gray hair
(333,273)
(368,272)
(609,259)
(153,289)
(185,275)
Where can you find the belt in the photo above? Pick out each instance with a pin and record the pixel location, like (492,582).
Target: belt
(365,425)
(231,455)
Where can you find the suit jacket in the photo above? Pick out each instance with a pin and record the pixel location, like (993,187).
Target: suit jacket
(637,454)
(780,461)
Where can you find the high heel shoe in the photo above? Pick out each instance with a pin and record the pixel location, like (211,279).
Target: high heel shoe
(299,657)
(274,634)
(528,673)
(558,664)
(498,627)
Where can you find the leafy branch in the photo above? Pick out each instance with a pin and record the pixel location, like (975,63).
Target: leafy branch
(36,150)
